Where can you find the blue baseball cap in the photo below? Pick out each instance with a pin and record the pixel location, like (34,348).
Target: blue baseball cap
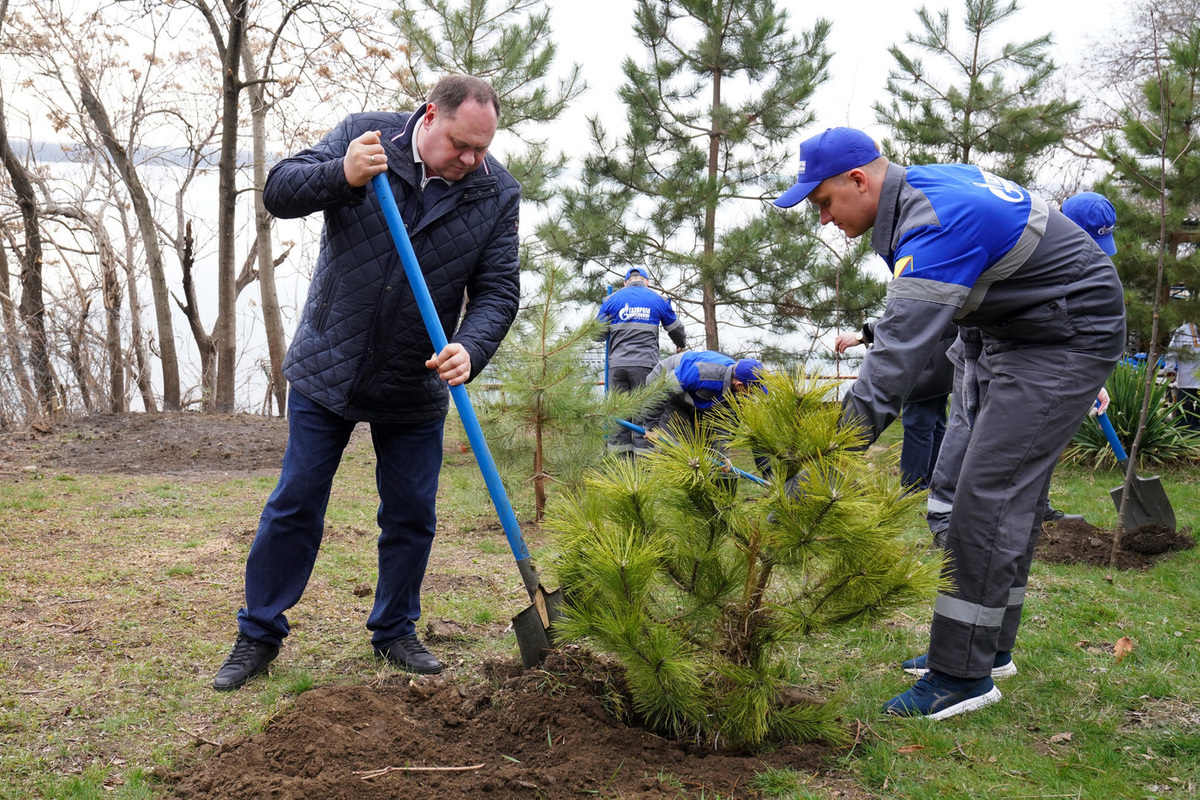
(639,271)
(1095,214)
(825,155)
(750,372)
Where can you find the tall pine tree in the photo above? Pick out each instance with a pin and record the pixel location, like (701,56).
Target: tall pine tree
(980,104)
(709,115)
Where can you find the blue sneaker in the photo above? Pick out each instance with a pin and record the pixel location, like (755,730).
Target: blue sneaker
(1002,667)
(938,696)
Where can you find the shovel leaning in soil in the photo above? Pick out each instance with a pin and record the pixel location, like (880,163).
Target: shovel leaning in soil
(532,625)
(1148,503)
(740,473)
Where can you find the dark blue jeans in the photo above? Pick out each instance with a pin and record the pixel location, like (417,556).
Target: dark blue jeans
(924,426)
(408,460)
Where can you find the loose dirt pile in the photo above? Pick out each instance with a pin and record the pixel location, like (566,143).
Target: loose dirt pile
(1071,542)
(521,734)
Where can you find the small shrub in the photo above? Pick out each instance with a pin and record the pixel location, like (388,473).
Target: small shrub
(1167,438)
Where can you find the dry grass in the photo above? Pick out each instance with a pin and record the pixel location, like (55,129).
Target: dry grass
(119,592)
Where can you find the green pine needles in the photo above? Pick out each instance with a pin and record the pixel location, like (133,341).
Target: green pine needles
(704,585)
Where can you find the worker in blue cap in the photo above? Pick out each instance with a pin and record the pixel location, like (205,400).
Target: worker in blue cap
(632,318)
(969,246)
(697,383)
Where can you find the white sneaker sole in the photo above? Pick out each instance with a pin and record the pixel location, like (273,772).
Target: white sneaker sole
(970,704)
(1006,671)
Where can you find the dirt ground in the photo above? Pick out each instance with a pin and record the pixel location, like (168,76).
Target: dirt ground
(152,444)
(1073,542)
(518,734)
(509,733)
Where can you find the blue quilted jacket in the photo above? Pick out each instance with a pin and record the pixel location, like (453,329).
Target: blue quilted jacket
(360,347)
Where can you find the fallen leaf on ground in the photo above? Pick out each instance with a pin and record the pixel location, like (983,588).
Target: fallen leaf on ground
(1122,648)
(1060,737)
(910,748)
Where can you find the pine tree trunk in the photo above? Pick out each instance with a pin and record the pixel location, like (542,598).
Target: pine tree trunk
(539,473)
(709,301)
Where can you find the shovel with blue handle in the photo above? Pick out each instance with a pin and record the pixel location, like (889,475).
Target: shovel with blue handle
(1148,503)
(532,625)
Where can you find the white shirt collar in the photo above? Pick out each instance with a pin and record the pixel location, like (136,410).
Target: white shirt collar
(425,177)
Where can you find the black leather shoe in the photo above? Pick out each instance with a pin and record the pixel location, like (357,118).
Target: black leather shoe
(410,655)
(1054,515)
(249,658)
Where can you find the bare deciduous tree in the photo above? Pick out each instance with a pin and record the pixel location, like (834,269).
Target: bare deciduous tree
(31,308)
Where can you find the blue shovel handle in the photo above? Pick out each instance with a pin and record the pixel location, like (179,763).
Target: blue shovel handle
(462,401)
(607,347)
(741,473)
(1110,433)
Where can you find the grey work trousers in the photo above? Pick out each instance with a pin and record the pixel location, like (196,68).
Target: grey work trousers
(622,440)
(1031,400)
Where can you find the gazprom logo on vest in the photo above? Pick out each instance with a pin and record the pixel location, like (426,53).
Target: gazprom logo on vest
(1002,188)
(633,313)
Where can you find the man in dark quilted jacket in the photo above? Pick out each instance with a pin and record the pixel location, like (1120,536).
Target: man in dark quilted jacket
(361,352)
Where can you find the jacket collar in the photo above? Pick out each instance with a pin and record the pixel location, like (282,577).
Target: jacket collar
(887,212)
(405,142)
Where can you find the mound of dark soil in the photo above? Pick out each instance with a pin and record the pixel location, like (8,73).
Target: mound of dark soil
(146,444)
(1071,542)
(521,734)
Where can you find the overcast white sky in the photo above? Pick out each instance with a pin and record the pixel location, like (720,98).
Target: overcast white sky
(599,36)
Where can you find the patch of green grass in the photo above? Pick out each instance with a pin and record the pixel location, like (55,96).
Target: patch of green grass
(300,684)
(1073,721)
(669,780)
(24,497)
(780,783)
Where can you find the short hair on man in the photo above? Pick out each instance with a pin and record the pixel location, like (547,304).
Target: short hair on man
(453,90)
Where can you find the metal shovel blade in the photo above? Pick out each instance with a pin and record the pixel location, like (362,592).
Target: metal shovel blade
(532,626)
(1148,504)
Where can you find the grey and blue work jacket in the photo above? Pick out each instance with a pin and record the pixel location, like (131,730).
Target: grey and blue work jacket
(967,246)
(632,318)
(701,379)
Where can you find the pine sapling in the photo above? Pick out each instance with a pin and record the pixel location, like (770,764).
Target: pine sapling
(704,586)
